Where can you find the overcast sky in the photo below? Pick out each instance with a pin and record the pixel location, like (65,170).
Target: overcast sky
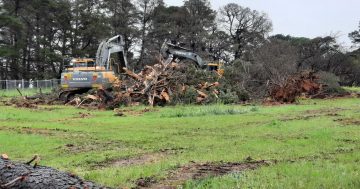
(307,18)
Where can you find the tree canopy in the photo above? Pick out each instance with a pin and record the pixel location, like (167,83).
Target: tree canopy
(38,36)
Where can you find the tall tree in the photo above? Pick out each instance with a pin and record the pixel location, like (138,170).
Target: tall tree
(247,28)
(199,22)
(147,11)
(88,27)
(168,23)
(10,38)
(355,36)
(123,18)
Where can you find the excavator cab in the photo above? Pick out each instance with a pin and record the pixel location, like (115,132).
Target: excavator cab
(217,67)
(80,64)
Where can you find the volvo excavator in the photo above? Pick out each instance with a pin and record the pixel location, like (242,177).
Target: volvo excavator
(83,74)
(174,52)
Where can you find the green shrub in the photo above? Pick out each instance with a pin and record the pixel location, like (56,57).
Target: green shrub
(228,97)
(188,97)
(331,82)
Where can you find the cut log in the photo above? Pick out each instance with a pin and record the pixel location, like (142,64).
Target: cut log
(132,74)
(23,176)
(4,156)
(166,96)
(202,94)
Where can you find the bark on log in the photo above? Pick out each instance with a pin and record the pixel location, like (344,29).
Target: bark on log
(20,175)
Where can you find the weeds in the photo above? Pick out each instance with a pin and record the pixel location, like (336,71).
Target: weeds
(194,111)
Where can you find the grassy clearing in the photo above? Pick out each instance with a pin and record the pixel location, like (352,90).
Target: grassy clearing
(313,145)
(25,92)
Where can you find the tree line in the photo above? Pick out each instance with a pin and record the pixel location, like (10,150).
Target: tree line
(37,37)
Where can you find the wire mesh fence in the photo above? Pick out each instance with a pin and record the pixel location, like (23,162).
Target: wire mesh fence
(29,84)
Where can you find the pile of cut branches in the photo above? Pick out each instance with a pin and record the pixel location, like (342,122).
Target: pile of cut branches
(304,83)
(160,84)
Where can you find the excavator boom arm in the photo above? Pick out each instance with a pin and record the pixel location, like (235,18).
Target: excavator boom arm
(106,48)
(168,50)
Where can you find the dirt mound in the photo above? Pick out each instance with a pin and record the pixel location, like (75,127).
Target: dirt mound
(197,171)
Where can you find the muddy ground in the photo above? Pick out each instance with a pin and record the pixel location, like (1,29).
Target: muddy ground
(196,171)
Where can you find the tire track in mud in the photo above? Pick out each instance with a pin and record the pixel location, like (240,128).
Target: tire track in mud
(196,171)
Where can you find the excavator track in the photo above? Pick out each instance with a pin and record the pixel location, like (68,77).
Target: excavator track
(68,94)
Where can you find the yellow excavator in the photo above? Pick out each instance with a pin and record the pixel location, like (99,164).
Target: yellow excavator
(83,74)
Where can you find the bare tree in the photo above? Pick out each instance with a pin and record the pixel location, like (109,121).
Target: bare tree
(246,27)
(275,61)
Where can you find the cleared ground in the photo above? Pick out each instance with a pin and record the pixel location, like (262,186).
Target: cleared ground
(315,144)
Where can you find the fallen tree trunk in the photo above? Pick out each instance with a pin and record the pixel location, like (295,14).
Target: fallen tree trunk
(20,175)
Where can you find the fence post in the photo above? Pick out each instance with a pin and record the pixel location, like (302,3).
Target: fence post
(22,83)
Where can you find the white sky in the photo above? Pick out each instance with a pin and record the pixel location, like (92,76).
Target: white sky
(303,18)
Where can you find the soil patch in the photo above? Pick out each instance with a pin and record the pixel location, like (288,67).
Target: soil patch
(56,132)
(92,145)
(141,159)
(349,121)
(37,131)
(77,116)
(25,104)
(138,160)
(309,114)
(82,115)
(325,111)
(124,112)
(197,171)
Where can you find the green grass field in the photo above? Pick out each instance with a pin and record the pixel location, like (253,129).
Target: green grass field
(24,92)
(315,144)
